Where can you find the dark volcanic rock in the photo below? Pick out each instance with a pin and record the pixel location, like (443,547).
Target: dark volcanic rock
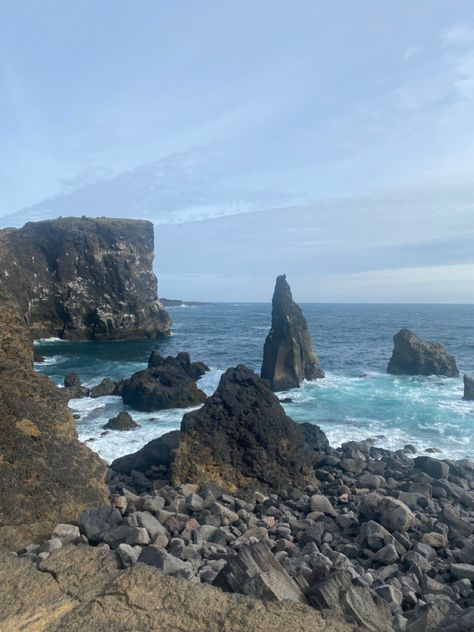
(46,475)
(242,438)
(193,369)
(157,452)
(167,383)
(413,356)
(468,388)
(73,388)
(106,387)
(123,421)
(84,278)
(288,356)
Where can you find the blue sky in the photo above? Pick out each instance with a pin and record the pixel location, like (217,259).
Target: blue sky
(331,141)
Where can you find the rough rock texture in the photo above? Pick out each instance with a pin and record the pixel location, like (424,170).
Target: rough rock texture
(122,421)
(288,356)
(166,383)
(242,438)
(46,475)
(81,589)
(413,356)
(157,452)
(84,278)
(468,388)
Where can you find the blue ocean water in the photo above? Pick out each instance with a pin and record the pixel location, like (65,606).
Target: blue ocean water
(357,399)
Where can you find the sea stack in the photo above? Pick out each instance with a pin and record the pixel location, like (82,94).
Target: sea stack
(413,356)
(84,278)
(468,388)
(288,355)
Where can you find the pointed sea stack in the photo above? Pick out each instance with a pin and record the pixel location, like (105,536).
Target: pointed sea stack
(413,356)
(288,355)
(468,388)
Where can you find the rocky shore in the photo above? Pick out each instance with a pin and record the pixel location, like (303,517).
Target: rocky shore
(381,540)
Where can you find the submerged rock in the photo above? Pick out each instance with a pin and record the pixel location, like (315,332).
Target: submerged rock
(468,388)
(288,355)
(166,383)
(413,356)
(123,421)
(242,438)
(84,278)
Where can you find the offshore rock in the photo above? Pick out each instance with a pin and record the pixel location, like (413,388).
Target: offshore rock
(288,355)
(46,475)
(413,356)
(122,421)
(84,278)
(242,439)
(73,388)
(166,383)
(468,388)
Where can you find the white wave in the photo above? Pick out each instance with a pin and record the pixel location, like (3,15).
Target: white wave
(43,341)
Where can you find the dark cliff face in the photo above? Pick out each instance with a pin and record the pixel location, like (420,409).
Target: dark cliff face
(288,355)
(84,278)
(46,475)
(413,356)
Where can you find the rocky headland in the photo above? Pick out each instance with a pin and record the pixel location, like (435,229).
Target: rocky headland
(288,355)
(414,356)
(84,278)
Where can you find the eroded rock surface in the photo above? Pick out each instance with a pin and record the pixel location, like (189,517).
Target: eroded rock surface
(82,589)
(242,438)
(84,278)
(413,356)
(288,355)
(46,475)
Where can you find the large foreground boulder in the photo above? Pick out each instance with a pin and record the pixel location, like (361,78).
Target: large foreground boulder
(288,355)
(157,452)
(468,388)
(166,383)
(84,278)
(241,438)
(413,356)
(82,589)
(46,475)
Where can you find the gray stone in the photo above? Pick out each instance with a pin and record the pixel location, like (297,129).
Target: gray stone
(139,536)
(433,467)
(127,554)
(387,554)
(322,504)
(156,556)
(390,593)
(391,513)
(93,522)
(67,533)
(462,571)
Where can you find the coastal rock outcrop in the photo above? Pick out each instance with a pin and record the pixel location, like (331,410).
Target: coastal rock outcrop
(123,421)
(288,355)
(413,356)
(84,278)
(242,438)
(166,383)
(468,388)
(46,475)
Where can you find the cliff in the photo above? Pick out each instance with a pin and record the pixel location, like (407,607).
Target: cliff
(46,475)
(288,355)
(84,278)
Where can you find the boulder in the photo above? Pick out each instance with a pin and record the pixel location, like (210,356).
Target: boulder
(314,437)
(254,571)
(84,278)
(433,467)
(105,388)
(413,356)
(468,388)
(157,452)
(391,513)
(242,439)
(46,475)
(166,383)
(288,355)
(123,421)
(73,388)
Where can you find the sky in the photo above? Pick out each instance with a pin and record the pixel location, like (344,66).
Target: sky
(331,141)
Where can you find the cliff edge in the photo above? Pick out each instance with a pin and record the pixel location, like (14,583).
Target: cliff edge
(84,278)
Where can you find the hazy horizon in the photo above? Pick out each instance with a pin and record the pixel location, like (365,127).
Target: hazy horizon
(333,143)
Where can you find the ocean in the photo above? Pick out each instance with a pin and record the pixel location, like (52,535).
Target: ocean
(356,400)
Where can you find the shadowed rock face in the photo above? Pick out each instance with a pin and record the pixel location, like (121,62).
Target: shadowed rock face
(84,278)
(413,356)
(468,388)
(288,355)
(242,439)
(46,475)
